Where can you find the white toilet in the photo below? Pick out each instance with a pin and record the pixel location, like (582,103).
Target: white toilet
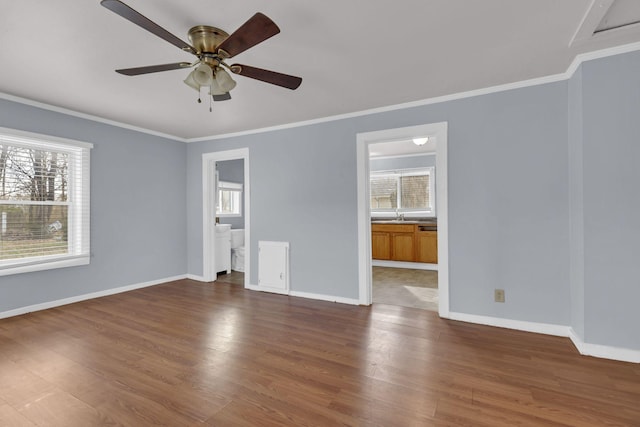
(237,250)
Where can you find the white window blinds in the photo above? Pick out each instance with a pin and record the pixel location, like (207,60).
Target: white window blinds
(410,190)
(44,202)
(229,199)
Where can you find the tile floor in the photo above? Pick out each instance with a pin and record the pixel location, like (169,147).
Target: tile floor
(406,287)
(235,278)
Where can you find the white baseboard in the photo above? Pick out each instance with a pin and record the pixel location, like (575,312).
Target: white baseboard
(267,289)
(585,349)
(84,297)
(403,264)
(604,351)
(540,328)
(321,297)
(196,278)
(308,295)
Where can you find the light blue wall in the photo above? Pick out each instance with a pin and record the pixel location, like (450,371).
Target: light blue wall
(138,206)
(302,191)
(232,171)
(508,204)
(508,200)
(611,150)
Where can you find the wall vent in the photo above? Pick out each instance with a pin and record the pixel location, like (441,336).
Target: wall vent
(273,266)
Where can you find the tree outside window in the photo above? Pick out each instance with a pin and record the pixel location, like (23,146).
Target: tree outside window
(44,202)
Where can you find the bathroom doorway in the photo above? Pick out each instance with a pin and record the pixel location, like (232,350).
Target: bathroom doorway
(226,216)
(230,218)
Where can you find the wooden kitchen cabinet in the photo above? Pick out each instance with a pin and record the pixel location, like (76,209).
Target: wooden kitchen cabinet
(393,242)
(427,246)
(402,247)
(380,245)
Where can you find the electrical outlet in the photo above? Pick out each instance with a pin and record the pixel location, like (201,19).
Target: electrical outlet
(498,295)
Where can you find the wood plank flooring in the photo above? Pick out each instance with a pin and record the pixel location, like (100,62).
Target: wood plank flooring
(193,354)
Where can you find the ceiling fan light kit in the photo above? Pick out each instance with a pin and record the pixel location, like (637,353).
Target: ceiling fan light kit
(212,46)
(224,80)
(218,81)
(191,82)
(202,75)
(215,89)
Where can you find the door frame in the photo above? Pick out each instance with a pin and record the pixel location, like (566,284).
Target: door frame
(363,140)
(209,209)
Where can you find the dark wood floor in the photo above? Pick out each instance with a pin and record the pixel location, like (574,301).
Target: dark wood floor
(193,354)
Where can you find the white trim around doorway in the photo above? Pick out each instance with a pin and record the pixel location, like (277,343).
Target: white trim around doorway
(209,209)
(438,131)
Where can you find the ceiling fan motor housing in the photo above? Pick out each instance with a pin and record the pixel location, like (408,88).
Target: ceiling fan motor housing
(206,39)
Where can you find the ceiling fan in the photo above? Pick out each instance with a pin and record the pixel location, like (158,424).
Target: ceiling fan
(212,46)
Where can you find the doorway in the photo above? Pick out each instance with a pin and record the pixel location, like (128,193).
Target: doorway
(365,141)
(224,164)
(404,223)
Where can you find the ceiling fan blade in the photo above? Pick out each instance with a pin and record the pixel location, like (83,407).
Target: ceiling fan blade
(137,18)
(279,79)
(153,69)
(223,97)
(256,30)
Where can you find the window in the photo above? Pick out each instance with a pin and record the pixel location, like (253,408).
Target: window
(409,191)
(44,202)
(229,199)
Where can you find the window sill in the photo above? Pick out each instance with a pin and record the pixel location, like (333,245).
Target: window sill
(40,265)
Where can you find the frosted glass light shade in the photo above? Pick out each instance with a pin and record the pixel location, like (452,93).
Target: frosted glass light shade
(189,81)
(224,80)
(214,88)
(203,75)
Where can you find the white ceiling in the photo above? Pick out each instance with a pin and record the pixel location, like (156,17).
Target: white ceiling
(353,56)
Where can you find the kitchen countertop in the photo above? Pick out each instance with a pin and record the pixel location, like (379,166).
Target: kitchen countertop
(433,222)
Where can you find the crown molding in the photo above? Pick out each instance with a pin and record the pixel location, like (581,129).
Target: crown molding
(578,60)
(74,113)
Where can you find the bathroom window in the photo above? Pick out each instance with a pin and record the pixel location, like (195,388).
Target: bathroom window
(44,202)
(229,199)
(409,191)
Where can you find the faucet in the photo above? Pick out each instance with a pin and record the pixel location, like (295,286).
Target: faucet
(399,216)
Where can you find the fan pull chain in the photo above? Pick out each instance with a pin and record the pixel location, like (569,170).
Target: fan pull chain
(210,102)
